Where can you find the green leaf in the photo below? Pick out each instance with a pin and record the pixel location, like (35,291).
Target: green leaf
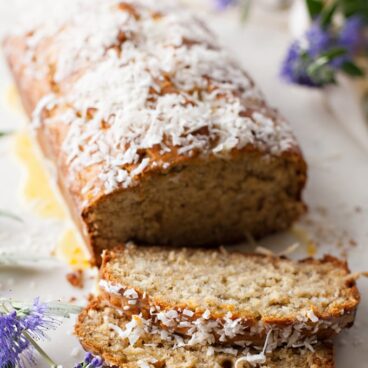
(10,215)
(320,69)
(352,69)
(354,7)
(314,7)
(321,72)
(334,53)
(327,14)
(4,134)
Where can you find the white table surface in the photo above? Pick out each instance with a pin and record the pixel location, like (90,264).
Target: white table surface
(336,193)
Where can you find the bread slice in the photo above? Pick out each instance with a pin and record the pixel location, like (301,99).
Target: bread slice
(157,135)
(100,329)
(215,296)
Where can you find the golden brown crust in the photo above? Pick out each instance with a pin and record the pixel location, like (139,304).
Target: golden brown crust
(330,321)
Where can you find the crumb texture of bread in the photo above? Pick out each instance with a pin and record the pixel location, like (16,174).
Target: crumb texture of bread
(156,133)
(98,329)
(182,287)
(209,203)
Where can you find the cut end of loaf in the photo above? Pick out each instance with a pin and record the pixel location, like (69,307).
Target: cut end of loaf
(205,202)
(98,330)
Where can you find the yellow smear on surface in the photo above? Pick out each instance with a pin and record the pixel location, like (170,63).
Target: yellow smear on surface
(311,249)
(36,188)
(303,238)
(71,249)
(12,99)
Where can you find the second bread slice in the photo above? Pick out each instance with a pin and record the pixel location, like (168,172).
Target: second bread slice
(213,296)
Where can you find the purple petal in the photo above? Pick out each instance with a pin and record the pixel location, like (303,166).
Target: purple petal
(352,35)
(319,39)
(294,68)
(223,4)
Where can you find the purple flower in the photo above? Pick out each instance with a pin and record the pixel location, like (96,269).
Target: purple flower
(223,4)
(15,347)
(37,321)
(294,67)
(352,35)
(13,343)
(319,39)
(315,60)
(90,361)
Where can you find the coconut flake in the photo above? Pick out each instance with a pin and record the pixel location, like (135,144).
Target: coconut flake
(255,358)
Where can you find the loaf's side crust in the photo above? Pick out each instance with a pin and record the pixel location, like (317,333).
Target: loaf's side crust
(322,357)
(328,324)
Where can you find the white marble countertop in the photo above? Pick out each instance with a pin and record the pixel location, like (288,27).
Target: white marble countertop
(336,193)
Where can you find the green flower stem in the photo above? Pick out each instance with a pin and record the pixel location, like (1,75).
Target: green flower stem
(40,351)
(4,134)
(10,215)
(245,9)
(365,106)
(55,309)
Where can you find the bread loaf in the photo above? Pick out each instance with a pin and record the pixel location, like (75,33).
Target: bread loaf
(157,135)
(103,330)
(214,296)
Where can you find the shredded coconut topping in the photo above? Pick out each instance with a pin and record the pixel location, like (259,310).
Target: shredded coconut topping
(152,81)
(255,358)
(133,331)
(205,330)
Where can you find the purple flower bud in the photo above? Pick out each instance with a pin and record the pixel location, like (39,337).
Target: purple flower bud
(223,4)
(90,361)
(97,362)
(352,35)
(319,39)
(294,67)
(88,358)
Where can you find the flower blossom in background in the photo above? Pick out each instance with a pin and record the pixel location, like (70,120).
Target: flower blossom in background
(223,4)
(352,35)
(90,361)
(318,39)
(327,48)
(13,344)
(22,325)
(294,69)
(17,329)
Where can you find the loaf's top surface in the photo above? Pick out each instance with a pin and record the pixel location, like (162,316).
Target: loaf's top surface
(124,88)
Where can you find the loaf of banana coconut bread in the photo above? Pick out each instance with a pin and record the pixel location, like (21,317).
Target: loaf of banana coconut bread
(157,135)
(220,297)
(130,342)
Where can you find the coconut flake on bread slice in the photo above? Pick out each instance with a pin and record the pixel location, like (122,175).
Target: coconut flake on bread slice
(131,342)
(220,297)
